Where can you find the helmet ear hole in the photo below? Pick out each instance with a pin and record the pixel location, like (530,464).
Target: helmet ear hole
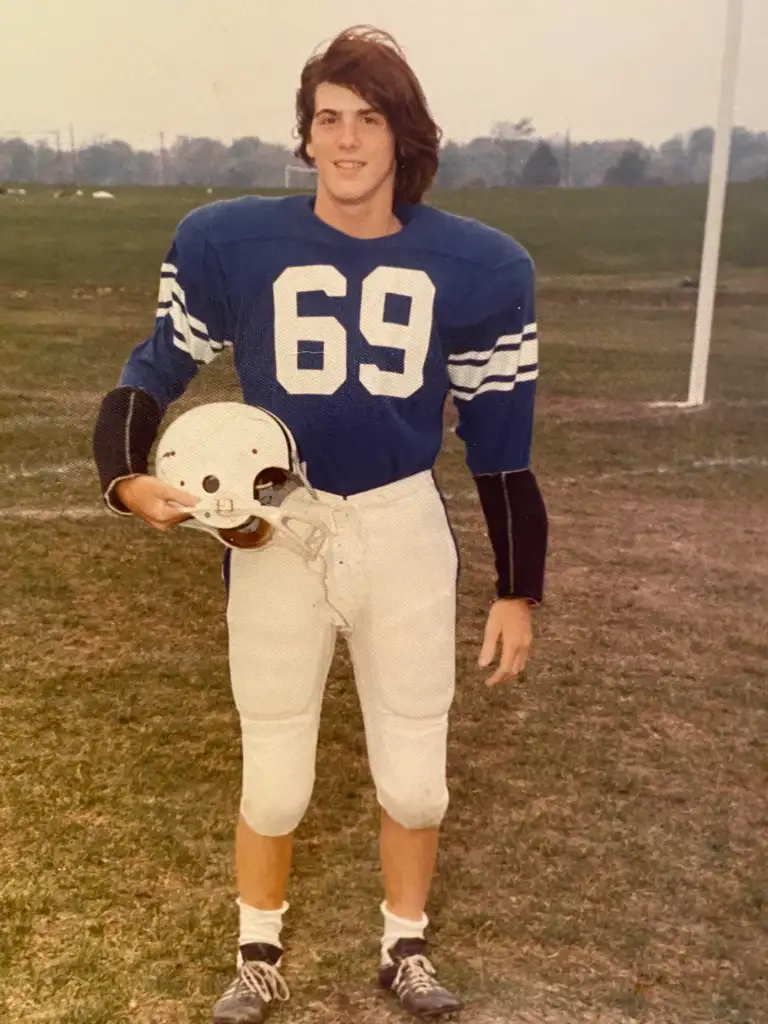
(272,476)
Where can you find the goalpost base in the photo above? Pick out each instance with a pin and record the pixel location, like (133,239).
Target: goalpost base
(675,405)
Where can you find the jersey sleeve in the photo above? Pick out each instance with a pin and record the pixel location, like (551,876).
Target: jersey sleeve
(493,367)
(192,323)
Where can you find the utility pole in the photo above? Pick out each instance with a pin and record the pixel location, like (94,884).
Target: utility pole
(161,165)
(567,160)
(59,167)
(72,154)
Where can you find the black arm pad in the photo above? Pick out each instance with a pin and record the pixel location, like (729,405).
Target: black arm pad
(124,433)
(518,529)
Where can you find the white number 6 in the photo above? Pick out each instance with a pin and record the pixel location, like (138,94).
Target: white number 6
(411,338)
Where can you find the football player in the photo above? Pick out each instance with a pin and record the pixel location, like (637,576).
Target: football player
(352,314)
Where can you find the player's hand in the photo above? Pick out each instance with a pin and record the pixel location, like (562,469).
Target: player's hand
(148,498)
(509,620)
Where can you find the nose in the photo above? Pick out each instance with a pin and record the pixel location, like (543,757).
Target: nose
(348,134)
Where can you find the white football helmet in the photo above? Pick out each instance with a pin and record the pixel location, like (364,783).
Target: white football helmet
(242,464)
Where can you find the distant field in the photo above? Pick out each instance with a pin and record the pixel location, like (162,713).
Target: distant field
(604,859)
(589,231)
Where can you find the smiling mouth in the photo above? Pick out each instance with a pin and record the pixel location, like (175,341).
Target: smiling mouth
(349,165)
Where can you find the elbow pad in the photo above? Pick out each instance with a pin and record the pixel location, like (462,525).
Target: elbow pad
(518,529)
(123,435)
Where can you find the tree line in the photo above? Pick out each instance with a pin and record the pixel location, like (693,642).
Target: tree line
(510,155)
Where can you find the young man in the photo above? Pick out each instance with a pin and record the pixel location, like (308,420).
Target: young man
(352,314)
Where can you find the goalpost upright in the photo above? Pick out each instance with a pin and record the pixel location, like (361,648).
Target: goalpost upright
(713,230)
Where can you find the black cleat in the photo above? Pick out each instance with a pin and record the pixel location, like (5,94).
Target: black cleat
(250,997)
(411,977)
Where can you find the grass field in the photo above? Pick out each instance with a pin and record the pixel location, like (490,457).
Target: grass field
(605,857)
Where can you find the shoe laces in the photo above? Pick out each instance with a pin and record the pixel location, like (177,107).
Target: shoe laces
(415,974)
(263,979)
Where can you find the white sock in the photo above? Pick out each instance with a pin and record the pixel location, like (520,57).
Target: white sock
(260,926)
(398,928)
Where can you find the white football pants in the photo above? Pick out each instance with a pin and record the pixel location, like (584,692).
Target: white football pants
(390,587)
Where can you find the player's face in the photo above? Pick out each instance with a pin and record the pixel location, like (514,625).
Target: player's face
(352,145)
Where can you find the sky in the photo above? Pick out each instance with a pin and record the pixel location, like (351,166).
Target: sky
(645,69)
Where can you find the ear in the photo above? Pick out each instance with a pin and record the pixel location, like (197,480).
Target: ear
(310,150)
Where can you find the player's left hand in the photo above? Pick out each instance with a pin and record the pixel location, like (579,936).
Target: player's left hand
(509,620)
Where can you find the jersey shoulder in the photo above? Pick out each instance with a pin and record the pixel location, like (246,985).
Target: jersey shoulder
(468,240)
(246,217)
(485,272)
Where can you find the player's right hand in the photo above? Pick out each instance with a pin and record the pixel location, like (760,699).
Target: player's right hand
(149,498)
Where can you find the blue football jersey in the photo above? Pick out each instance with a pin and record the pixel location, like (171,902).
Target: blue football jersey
(354,343)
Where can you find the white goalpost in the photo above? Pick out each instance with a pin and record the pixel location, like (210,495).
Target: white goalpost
(713,230)
(297,169)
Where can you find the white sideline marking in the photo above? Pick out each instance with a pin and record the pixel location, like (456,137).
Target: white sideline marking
(47,514)
(752,460)
(98,512)
(78,466)
(34,419)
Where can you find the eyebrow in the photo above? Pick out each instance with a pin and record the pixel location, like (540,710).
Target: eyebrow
(362,110)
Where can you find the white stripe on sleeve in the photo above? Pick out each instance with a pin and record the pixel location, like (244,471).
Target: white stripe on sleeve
(514,358)
(190,334)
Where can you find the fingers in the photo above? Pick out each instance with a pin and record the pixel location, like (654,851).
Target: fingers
(163,516)
(488,652)
(168,521)
(164,510)
(520,660)
(512,664)
(504,661)
(509,656)
(167,513)
(168,493)
(491,637)
(152,500)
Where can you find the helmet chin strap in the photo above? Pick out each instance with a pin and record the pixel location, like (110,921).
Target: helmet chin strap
(307,547)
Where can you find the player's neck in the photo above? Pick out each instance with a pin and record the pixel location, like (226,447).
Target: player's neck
(371,219)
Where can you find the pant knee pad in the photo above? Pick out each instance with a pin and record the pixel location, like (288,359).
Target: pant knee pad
(268,817)
(413,813)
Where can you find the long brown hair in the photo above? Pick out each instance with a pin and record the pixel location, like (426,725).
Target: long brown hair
(369,61)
